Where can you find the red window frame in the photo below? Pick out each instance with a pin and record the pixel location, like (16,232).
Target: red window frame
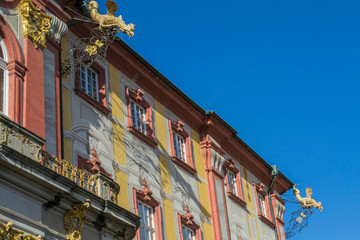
(178,128)
(188,221)
(137,98)
(279,222)
(146,197)
(259,191)
(229,166)
(102,103)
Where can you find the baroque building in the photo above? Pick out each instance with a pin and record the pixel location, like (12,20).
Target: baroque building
(112,149)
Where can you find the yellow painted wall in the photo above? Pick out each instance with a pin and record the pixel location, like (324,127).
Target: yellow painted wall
(161,137)
(204,199)
(248,189)
(165,173)
(123,197)
(119,146)
(199,162)
(67,150)
(119,138)
(115,92)
(64,54)
(207,231)
(170,231)
(66,109)
(160,125)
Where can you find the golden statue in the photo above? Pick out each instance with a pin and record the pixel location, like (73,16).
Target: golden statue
(109,20)
(308,201)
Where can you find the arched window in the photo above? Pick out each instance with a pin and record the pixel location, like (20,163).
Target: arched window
(3,78)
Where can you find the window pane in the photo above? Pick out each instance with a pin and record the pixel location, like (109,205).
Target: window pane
(147,229)
(88,81)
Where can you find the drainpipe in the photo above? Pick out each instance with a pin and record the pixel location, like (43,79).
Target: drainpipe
(274,173)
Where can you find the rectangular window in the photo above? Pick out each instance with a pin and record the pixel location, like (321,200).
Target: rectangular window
(179,147)
(232,182)
(138,117)
(89,82)
(262,205)
(147,224)
(187,233)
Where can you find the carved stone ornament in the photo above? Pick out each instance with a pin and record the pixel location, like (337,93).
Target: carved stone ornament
(217,161)
(74,220)
(308,201)
(260,189)
(188,219)
(8,233)
(58,28)
(36,24)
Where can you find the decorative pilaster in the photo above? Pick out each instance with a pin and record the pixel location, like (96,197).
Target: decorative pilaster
(74,220)
(36,24)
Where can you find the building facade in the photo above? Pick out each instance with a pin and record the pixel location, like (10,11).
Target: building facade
(153,163)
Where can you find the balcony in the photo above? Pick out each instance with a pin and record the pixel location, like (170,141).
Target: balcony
(38,190)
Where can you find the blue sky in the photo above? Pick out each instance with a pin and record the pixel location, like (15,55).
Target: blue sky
(292,70)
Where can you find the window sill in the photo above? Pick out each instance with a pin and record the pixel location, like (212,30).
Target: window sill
(236,199)
(92,101)
(267,221)
(150,141)
(184,165)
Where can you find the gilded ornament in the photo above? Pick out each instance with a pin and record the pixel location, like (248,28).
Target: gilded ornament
(93,49)
(308,201)
(36,24)
(109,21)
(74,220)
(5,133)
(8,233)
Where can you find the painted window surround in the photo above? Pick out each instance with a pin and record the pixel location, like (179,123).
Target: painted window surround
(279,222)
(102,103)
(138,97)
(146,197)
(187,220)
(3,66)
(178,128)
(16,71)
(239,198)
(259,190)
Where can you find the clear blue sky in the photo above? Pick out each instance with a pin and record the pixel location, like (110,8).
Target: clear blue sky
(293,70)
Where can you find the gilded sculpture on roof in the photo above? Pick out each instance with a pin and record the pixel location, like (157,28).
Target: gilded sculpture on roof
(308,201)
(109,20)
(36,24)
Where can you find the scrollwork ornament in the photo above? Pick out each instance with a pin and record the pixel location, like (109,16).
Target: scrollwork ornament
(36,24)
(74,220)
(7,232)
